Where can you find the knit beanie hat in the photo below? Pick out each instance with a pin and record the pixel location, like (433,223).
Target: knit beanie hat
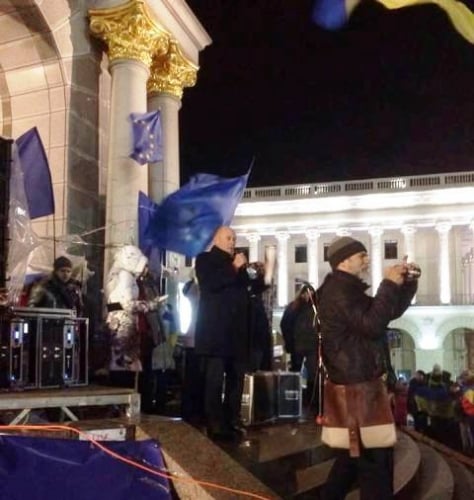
(343,248)
(61,262)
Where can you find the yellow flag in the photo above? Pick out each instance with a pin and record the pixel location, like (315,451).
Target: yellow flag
(459,13)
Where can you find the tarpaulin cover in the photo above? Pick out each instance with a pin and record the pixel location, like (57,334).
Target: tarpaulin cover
(37,468)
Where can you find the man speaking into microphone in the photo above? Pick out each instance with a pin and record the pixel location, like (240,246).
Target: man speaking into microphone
(222,333)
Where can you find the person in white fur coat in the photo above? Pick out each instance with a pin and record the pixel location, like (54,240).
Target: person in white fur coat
(123,306)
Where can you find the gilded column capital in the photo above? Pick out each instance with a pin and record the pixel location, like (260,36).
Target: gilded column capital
(129,32)
(171,72)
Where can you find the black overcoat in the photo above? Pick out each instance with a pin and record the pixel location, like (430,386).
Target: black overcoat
(222,325)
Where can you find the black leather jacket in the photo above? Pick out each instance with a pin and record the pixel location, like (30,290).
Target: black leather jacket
(353,324)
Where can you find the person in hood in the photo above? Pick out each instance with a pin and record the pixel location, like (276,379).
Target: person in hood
(123,306)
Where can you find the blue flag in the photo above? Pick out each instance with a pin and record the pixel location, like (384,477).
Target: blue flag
(146,211)
(186,220)
(334,14)
(147,137)
(36,174)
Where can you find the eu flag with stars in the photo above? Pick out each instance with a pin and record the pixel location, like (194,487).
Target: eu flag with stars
(147,137)
(36,174)
(185,221)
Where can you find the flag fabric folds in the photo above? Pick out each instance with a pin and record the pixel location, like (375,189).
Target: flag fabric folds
(186,220)
(36,174)
(43,468)
(147,137)
(333,14)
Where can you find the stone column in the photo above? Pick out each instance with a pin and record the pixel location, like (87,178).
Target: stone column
(132,38)
(466,279)
(253,239)
(408,232)
(312,236)
(282,262)
(444,263)
(376,256)
(170,73)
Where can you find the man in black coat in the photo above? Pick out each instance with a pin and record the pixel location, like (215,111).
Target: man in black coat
(222,332)
(353,327)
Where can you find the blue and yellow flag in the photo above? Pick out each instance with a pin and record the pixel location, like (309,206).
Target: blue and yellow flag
(333,14)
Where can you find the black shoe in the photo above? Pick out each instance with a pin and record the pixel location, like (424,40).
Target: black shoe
(239,430)
(222,435)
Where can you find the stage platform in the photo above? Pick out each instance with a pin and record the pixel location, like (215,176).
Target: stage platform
(67,399)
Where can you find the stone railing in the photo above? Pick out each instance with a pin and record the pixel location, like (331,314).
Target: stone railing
(384,185)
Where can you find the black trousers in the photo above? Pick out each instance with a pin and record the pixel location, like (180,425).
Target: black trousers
(222,413)
(192,396)
(372,471)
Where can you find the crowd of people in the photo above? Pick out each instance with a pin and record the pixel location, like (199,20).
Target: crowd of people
(439,406)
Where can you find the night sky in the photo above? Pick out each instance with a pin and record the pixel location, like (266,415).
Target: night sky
(391,94)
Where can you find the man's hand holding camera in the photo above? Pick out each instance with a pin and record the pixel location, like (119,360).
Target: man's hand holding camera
(401,273)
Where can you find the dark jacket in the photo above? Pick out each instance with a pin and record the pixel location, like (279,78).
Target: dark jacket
(222,325)
(298,328)
(54,293)
(353,324)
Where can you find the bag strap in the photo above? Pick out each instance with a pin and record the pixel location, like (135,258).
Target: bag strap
(319,354)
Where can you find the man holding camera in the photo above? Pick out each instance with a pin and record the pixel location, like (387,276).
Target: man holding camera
(353,326)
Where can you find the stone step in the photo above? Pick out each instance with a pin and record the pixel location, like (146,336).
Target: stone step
(407,460)
(463,480)
(200,468)
(277,441)
(435,480)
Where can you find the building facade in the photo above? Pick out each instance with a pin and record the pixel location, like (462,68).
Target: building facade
(76,70)
(429,218)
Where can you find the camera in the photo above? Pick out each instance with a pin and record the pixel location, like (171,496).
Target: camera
(254,269)
(413,272)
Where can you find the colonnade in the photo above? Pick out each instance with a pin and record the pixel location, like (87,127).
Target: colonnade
(314,259)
